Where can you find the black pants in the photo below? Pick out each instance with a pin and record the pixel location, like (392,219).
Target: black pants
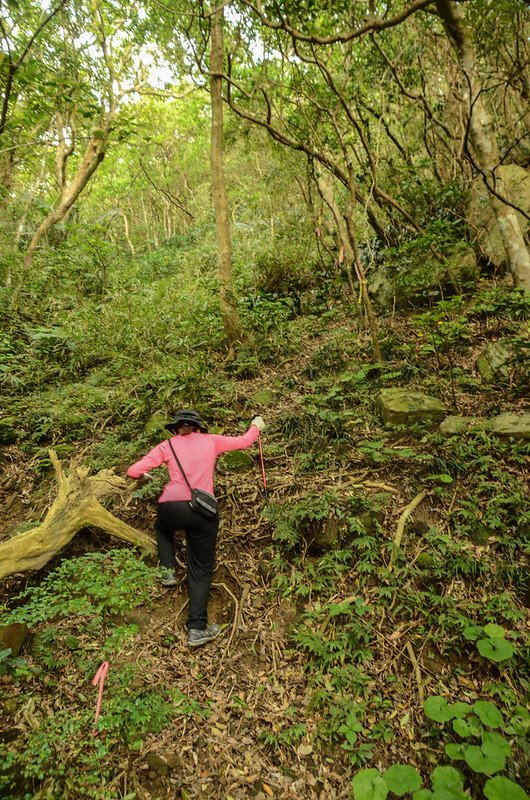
(201,538)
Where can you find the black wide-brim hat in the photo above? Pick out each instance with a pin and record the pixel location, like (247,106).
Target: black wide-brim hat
(187,416)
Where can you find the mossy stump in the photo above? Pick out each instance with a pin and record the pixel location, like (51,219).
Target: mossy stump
(76,506)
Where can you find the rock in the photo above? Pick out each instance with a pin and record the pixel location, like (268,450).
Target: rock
(494,362)
(425,561)
(237,461)
(507,424)
(481,217)
(402,406)
(462,268)
(454,425)
(426,279)
(514,425)
(13,636)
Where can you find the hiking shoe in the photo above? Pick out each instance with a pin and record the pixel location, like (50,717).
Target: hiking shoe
(195,637)
(168,579)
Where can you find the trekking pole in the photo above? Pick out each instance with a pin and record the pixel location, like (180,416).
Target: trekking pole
(263,468)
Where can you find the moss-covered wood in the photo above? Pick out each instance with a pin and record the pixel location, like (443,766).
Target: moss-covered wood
(77,505)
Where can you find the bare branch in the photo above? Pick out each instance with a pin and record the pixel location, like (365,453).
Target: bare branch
(373,24)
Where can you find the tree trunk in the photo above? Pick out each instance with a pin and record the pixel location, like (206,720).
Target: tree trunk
(93,157)
(485,147)
(229,313)
(76,506)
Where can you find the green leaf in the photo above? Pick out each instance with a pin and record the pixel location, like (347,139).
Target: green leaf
(472,633)
(423,794)
(461,710)
(402,778)
(488,713)
(442,477)
(495,743)
(467,727)
(339,608)
(480,761)
(496,649)
(455,751)
(447,778)
(368,784)
(494,631)
(500,788)
(447,793)
(438,709)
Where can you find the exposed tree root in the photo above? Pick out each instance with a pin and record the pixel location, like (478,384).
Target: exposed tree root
(76,506)
(402,522)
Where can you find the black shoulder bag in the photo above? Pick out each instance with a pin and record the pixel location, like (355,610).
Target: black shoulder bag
(201,502)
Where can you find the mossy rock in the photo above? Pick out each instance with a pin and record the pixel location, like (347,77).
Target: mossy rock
(516,426)
(425,279)
(402,407)
(452,426)
(237,461)
(505,425)
(494,363)
(13,636)
(425,561)
(480,213)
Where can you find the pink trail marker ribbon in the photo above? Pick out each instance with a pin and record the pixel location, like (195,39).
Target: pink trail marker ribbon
(99,677)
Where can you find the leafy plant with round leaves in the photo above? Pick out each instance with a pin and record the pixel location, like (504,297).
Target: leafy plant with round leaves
(490,756)
(494,631)
(495,648)
(368,784)
(501,788)
(402,778)
(467,727)
(438,709)
(488,713)
(447,778)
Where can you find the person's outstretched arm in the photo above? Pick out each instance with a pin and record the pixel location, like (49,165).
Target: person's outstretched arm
(223,444)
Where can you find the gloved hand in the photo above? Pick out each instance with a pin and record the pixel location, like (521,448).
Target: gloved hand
(258,422)
(144,478)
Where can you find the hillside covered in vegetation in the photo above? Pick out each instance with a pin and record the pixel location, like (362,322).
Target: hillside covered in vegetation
(313,212)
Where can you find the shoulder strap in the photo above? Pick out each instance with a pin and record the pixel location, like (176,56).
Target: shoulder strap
(180,465)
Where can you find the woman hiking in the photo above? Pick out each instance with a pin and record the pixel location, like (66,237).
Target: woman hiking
(190,456)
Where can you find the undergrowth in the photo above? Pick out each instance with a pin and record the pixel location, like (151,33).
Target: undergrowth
(78,616)
(415,652)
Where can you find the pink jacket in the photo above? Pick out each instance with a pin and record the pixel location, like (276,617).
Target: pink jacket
(197,452)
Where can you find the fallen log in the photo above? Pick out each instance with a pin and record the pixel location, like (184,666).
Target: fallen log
(76,506)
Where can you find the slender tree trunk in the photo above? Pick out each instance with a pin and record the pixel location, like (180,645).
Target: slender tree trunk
(370,315)
(346,254)
(484,144)
(93,157)
(229,312)
(126,232)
